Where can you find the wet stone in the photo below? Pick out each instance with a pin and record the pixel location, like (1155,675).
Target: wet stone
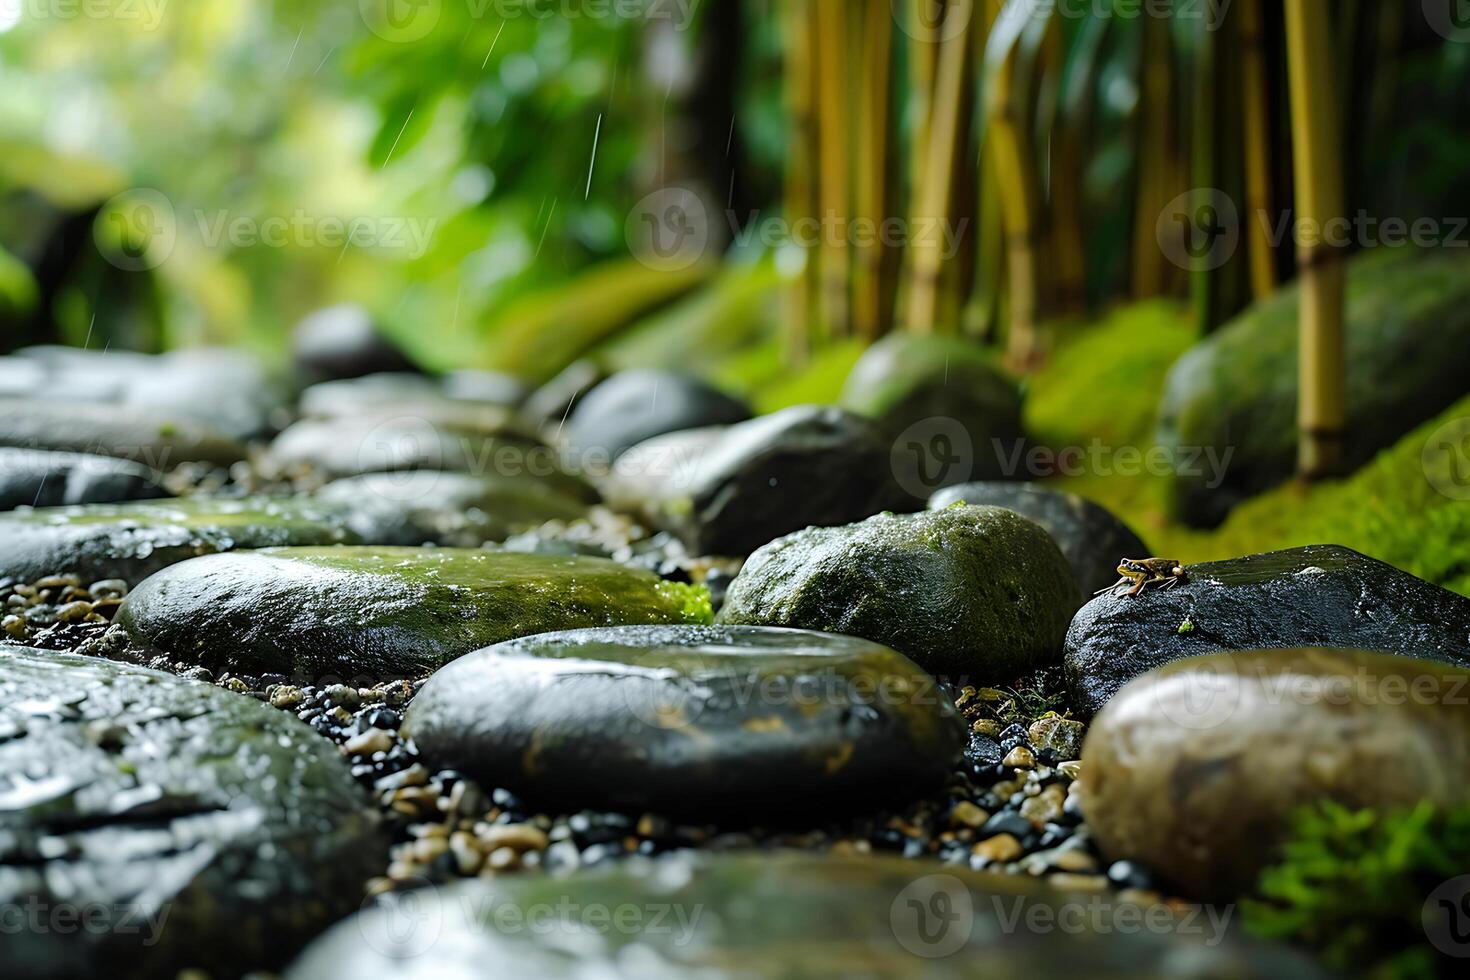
(212,832)
(37,478)
(712,720)
(636,405)
(1319,596)
(132,540)
(974,591)
(344,342)
(157,439)
(383,612)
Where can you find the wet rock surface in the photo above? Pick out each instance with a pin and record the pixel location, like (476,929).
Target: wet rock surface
(1321,595)
(199,828)
(1195,769)
(157,439)
(454,509)
(647,478)
(780,473)
(37,478)
(776,916)
(921,389)
(344,342)
(979,592)
(1089,535)
(690,719)
(383,612)
(133,540)
(454,400)
(636,405)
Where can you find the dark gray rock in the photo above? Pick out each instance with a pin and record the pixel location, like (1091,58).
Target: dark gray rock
(976,592)
(1408,330)
(158,440)
(550,405)
(780,473)
(133,540)
(691,719)
(383,613)
(646,478)
(781,915)
(193,827)
(454,509)
(636,405)
(1320,596)
(1089,535)
(344,342)
(37,478)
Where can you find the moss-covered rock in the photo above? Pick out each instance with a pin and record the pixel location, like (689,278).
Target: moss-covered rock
(38,478)
(1408,340)
(133,540)
(781,915)
(384,612)
(1321,595)
(912,384)
(157,439)
(1089,535)
(186,826)
(978,592)
(1195,770)
(701,720)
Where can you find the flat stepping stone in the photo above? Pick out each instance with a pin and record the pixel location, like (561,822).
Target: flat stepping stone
(158,439)
(206,829)
(978,592)
(780,916)
(691,718)
(1195,770)
(1318,596)
(133,540)
(40,478)
(384,613)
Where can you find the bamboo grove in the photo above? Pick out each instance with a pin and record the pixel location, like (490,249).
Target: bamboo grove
(1080,159)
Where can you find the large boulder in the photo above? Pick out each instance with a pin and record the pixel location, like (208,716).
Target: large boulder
(950,414)
(1320,596)
(158,440)
(777,474)
(975,592)
(635,405)
(383,612)
(39,478)
(701,720)
(1195,770)
(180,825)
(133,540)
(1408,340)
(781,916)
(344,342)
(1089,535)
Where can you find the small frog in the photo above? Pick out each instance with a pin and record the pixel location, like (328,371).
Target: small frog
(1143,572)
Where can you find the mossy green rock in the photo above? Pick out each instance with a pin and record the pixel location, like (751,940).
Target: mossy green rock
(1408,341)
(157,439)
(910,384)
(1196,769)
(703,720)
(384,612)
(781,915)
(188,826)
(455,509)
(134,540)
(979,592)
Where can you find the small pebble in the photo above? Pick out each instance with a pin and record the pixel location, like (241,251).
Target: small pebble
(1019,757)
(1003,848)
(370,742)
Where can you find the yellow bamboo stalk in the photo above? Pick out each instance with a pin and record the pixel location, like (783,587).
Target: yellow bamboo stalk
(1015,171)
(1064,197)
(1257,149)
(1322,411)
(936,180)
(801,196)
(923,67)
(869,313)
(1156,170)
(834,161)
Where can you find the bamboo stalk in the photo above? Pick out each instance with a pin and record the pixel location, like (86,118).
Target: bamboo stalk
(923,60)
(1257,149)
(834,161)
(982,312)
(876,44)
(800,154)
(1316,141)
(1155,167)
(1064,193)
(936,180)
